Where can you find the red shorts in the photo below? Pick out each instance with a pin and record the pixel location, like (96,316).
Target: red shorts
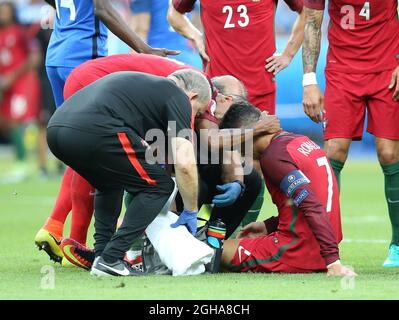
(21,102)
(349,96)
(255,255)
(266,102)
(72,85)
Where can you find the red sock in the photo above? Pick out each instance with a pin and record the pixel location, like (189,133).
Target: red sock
(55,227)
(63,204)
(82,208)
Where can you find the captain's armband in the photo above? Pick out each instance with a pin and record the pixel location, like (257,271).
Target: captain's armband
(292,182)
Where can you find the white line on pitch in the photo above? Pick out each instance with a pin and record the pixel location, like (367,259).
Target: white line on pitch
(371,241)
(364,219)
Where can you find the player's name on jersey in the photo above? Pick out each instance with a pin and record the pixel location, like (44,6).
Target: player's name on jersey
(307,147)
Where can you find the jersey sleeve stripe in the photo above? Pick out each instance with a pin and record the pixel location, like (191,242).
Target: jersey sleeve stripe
(131,154)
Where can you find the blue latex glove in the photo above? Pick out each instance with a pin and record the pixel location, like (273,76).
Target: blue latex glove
(188,219)
(231,192)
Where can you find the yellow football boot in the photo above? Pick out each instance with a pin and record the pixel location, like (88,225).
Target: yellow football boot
(44,240)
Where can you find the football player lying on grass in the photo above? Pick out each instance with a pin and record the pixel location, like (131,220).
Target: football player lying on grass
(304,237)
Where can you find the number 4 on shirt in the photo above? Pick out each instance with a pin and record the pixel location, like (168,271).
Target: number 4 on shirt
(365,12)
(348,20)
(69,4)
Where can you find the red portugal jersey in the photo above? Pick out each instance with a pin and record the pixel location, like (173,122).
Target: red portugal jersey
(93,70)
(363,35)
(239,36)
(304,189)
(14,48)
(21,101)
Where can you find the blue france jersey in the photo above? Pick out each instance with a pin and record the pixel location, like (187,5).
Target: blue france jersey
(161,34)
(78,35)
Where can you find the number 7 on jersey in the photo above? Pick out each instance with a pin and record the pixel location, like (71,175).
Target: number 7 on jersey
(323,162)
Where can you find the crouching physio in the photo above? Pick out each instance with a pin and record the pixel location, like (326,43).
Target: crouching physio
(101,135)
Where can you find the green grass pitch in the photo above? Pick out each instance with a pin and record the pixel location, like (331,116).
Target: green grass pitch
(24,207)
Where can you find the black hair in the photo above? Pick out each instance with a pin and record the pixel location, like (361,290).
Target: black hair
(240,115)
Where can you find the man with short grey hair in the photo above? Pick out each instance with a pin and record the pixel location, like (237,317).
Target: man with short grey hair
(193,81)
(100,133)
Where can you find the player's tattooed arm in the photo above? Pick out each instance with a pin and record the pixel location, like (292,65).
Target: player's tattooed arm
(312,39)
(51,3)
(104,10)
(312,96)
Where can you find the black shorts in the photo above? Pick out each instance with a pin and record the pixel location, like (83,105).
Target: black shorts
(108,161)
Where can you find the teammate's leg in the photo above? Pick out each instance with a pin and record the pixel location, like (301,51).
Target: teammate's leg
(52,230)
(62,207)
(50,235)
(337,152)
(388,156)
(383,124)
(82,207)
(345,109)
